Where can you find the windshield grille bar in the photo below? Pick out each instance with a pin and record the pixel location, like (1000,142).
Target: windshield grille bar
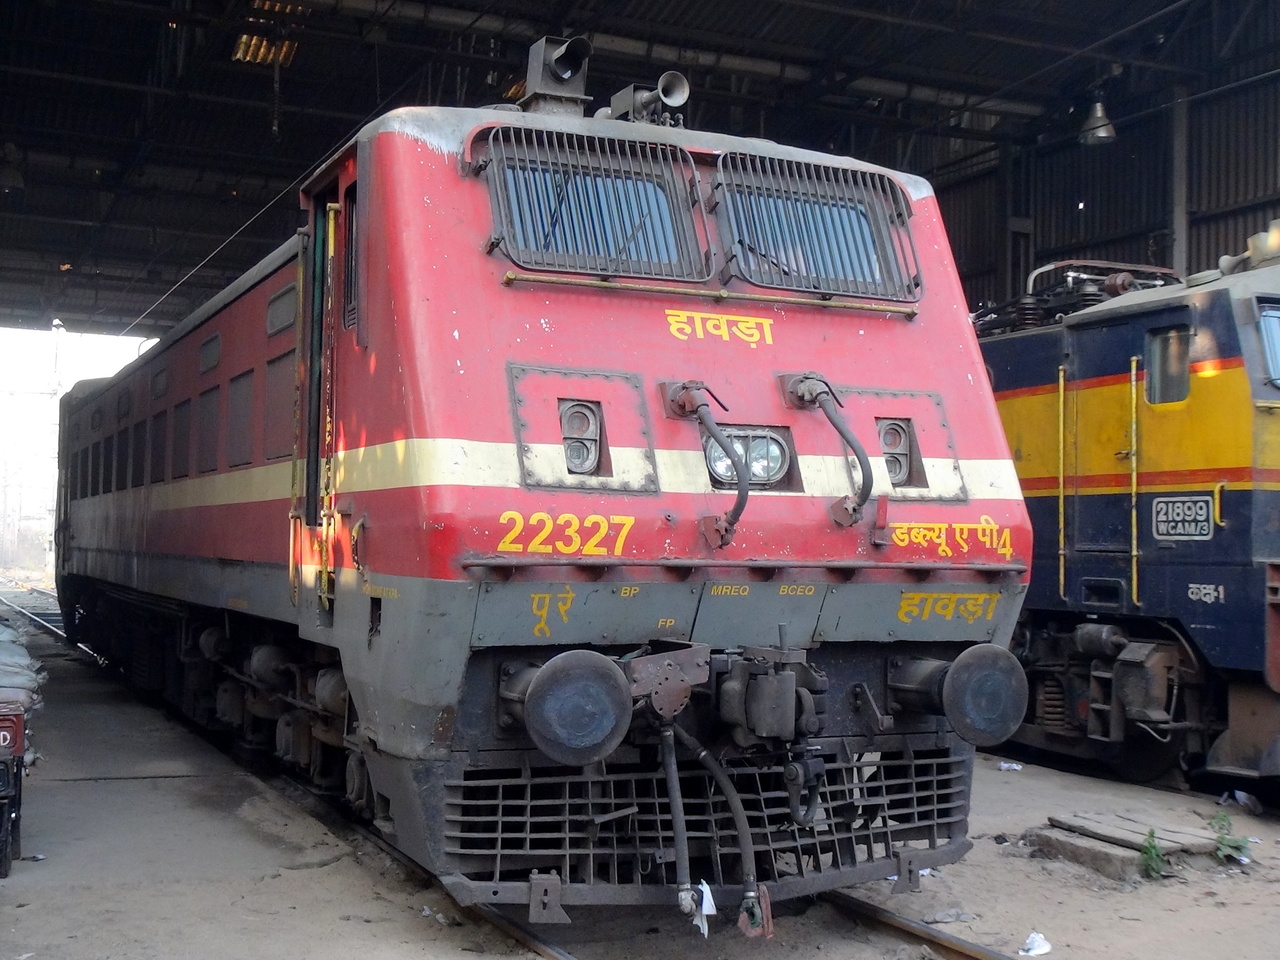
(801,226)
(596,205)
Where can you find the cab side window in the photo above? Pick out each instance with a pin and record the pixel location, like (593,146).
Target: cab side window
(1168,364)
(1269,324)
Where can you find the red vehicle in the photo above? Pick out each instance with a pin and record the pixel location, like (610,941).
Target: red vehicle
(603,506)
(12,747)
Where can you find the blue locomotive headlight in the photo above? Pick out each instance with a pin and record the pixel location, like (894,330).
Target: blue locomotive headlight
(765,453)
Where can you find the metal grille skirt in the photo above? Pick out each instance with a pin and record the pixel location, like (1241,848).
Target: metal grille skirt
(614,826)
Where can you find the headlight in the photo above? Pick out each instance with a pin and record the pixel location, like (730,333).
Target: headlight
(765,452)
(718,461)
(768,459)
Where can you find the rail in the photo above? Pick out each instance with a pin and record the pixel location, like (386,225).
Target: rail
(943,944)
(322,807)
(914,933)
(39,622)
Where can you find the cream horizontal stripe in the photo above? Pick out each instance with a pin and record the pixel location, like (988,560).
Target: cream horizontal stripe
(427,463)
(272,482)
(454,462)
(630,466)
(685,471)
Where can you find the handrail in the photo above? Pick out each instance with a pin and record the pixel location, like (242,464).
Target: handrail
(1133,480)
(328,519)
(718,295)
(1062,483)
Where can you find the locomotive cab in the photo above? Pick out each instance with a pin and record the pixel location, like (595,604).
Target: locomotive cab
(1140,412)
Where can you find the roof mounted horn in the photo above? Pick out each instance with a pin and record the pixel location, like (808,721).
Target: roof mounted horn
(557,78)
(644,105)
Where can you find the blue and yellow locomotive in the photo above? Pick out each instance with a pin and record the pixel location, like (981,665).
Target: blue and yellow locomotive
(1143,414)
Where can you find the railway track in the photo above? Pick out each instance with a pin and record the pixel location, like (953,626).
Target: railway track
(869,915)
(42,611)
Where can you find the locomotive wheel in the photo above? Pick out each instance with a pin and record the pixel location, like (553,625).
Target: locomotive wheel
(6,839)
(1141,758)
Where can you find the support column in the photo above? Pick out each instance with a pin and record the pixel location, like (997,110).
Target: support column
(1179,225)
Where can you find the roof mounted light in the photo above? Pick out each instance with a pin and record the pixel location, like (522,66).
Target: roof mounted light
(1097,127)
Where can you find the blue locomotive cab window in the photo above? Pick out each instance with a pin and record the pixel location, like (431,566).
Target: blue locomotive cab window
(594,205)
(795,236)
(563,212)
(1168,364)
(806,227)
(1269,324)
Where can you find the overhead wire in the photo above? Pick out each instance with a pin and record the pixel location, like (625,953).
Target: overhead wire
(1082,52)
(378,109)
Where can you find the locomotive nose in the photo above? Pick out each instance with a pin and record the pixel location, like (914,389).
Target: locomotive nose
(982,693)
(577,708)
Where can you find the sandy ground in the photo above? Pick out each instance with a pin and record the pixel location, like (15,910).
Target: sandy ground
(1206,910)
(157,846)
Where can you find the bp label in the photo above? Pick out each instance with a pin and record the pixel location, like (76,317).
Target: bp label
(1182,518)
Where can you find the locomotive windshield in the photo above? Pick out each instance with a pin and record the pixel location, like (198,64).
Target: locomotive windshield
(594,205)
(800,226)
(1269,324)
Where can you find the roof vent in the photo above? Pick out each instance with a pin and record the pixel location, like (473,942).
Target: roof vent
(557,78)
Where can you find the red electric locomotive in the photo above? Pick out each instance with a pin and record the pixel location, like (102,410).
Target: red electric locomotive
(606,507)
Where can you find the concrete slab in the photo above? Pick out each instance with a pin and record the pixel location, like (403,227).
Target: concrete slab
(1117,863)
(1132,832)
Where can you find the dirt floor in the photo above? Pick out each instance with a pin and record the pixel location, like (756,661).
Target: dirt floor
(169,850)
(1205,910)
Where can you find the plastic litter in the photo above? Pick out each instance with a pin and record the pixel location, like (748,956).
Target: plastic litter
(706,908)
(1008,766)
(1000,839)
(1248,802)
(1245,801)
(426,911)
(1036,946)
(954,915)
